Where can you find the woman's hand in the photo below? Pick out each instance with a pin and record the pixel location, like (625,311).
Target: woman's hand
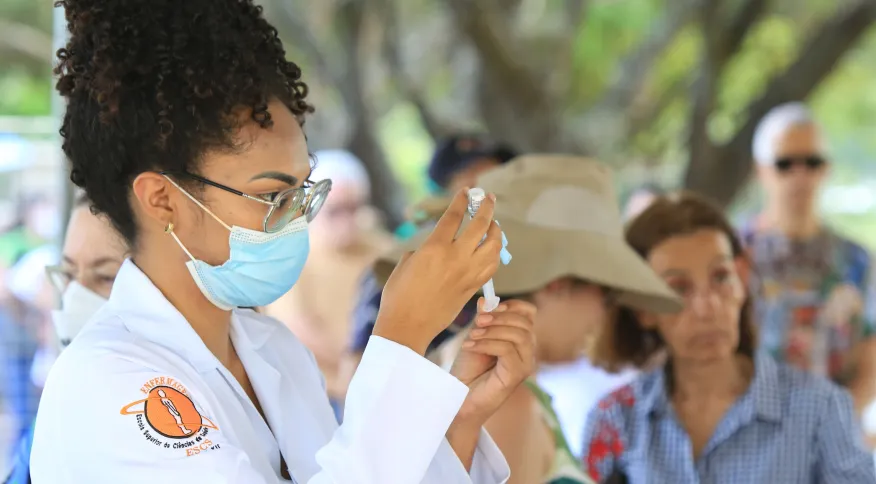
(429,287)
(495,358)
(497,355)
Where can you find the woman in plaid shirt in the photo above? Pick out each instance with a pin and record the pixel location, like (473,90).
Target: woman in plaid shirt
(711,409)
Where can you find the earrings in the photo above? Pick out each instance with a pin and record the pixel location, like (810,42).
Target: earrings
(169,228)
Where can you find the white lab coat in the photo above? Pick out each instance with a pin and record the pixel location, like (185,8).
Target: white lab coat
(138,398)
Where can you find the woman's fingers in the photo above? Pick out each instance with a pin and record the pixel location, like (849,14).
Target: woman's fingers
(472,236)
(503,318)
(523,308)
(448,225)
(502,340)
(491,245)
(511,334)
(492,347)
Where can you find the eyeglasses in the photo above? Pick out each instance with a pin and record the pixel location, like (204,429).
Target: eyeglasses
(286,206)
(810,162)
(100,281)
(59,277)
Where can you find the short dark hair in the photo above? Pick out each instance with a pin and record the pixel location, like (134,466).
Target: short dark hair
(456,153)
(156,84)
(623,341)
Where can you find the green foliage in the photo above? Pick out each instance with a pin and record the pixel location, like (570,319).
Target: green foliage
(408,149)
(610,30)
(24,95)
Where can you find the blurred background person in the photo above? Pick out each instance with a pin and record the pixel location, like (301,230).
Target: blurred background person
(640,199)
(91,257)
(812,287)
(456,163)
(460,159)
(717,410)
(39,223)
(573,265)
(24,327)
(344,241)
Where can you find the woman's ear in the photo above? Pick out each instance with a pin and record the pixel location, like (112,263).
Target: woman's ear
(154,197)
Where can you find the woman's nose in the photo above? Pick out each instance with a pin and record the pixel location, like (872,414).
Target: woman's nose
(703,303)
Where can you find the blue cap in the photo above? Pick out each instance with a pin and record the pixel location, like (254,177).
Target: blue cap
(458,152)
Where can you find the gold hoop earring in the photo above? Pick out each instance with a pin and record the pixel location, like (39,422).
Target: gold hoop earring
(169,228)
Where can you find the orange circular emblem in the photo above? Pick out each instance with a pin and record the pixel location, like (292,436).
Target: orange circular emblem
(171,413)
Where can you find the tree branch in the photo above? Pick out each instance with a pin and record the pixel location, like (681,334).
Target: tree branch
(509,91)
(724,174)
(484,28)
(346,77)
(391,48)
(632,73)
(386,193)
(575,10)
(26,40)
(720,45)
(705,89)
(749,15)
(642,117)
(304,38)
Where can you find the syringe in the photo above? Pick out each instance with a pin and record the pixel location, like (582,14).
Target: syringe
(476,196)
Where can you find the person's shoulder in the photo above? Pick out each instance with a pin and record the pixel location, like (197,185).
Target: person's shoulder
(104,339)
(804,392)
(856,251)
(747,228)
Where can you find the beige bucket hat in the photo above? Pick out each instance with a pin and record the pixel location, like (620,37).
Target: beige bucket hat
(561,217)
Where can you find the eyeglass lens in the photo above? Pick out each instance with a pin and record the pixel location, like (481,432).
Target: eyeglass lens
(296,203)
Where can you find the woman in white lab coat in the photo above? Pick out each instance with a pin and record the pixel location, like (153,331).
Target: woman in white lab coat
(184,126)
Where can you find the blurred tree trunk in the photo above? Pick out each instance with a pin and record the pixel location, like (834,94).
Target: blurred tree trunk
(345,74)
(721,171)
(386,193)
(25,45)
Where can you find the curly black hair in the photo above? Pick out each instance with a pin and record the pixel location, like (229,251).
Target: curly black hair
(154,84)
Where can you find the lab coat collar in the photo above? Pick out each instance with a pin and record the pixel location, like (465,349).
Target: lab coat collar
(147,313)
(255,331)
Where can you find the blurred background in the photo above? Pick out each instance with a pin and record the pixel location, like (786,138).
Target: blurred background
(663,91)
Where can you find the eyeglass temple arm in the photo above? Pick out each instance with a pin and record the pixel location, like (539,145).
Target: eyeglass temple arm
(218,185)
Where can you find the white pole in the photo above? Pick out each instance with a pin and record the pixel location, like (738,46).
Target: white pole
(59,40)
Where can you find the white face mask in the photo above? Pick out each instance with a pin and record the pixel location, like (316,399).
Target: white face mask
(78,305)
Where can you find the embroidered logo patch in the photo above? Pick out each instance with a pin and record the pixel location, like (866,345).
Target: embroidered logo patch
(169,418)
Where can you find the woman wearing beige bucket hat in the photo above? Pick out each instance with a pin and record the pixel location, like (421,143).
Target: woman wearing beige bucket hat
(565,232)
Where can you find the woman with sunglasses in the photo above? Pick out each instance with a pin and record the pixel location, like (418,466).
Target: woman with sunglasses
(184,126)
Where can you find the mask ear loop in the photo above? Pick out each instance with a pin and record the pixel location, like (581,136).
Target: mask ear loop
(169,230)
(198,203)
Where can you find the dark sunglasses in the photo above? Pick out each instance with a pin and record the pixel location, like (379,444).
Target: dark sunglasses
(810,162)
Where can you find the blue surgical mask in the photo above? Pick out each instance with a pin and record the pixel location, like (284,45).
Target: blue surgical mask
(261,268)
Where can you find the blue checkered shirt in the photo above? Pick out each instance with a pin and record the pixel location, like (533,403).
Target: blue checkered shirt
(789,428)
